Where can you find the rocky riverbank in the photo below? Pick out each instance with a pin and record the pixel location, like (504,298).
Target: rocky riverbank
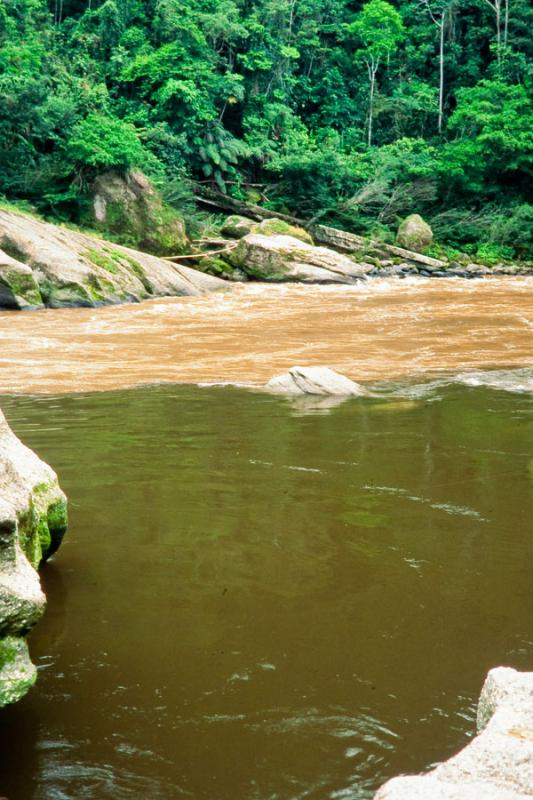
(48,265)
(498,762)
(274,250)
(45,265)
(33,521)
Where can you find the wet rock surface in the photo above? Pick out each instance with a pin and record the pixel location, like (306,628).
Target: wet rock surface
(314,381)
(498,762)
(33,521)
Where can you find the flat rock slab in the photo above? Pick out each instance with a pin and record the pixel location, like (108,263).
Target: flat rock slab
(314,381)
(498,762)
(47,265)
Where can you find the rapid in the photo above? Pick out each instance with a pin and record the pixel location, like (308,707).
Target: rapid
(375,331)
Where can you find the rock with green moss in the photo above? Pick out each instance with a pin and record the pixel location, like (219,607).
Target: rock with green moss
(414,234)
(33,521)
(278,227)
(18,287)
(215,265)
(44,264)
(236,226)
(131,208)
(284,258)
(17,673)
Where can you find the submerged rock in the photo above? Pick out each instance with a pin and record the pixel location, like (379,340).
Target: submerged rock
(47,265)
(314,381)
(33,521)
(284,258)
(498,763)
(414,233)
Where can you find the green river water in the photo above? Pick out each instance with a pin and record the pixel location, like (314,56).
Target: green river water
(260,600)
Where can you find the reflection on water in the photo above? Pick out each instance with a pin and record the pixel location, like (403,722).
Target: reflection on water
(259,602)
(377,330)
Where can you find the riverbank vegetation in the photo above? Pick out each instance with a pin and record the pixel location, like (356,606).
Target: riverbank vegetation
(350,113)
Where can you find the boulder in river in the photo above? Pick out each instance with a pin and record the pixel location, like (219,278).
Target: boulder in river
(284,258)
(414,233)
(314,381)
(498,763)
(33,521)
(48,265)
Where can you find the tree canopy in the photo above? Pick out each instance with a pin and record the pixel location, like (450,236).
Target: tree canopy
(356,112)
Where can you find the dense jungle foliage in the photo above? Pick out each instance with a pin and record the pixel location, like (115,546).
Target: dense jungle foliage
(353,112)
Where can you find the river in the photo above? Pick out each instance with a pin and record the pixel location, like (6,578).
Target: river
(377,330)
(262,598)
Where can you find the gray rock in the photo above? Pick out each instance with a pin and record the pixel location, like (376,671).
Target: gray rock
(284,258)
(236,226)
(477,269)
(33,520)
(278,227)
(43,264)
(17,673)
(18,287)
(414,233)
(498,762)
(130,206)
(314,381)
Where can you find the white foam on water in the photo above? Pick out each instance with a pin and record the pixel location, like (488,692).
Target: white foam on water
(448,508)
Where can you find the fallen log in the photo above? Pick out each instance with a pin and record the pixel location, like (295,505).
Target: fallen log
(351,243)
(196,256)
(322,234)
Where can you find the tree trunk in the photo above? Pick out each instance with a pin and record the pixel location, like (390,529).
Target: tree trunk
(506,24)
(498,30)
(372,70)
(441,71)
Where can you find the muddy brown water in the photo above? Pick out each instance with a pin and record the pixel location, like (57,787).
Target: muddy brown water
(373,331)
(268,599)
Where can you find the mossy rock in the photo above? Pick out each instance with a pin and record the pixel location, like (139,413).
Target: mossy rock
(18,287)
(17,673)
(221,269)
(414,234)
(131,209)
(278,227)
(42,526)
(236,227)
(69,295)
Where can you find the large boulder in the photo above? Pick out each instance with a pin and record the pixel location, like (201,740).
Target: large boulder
(414,234)
(33,521)
(498,763)
(130,207)
(47,265)
(314,381)
(284,258)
